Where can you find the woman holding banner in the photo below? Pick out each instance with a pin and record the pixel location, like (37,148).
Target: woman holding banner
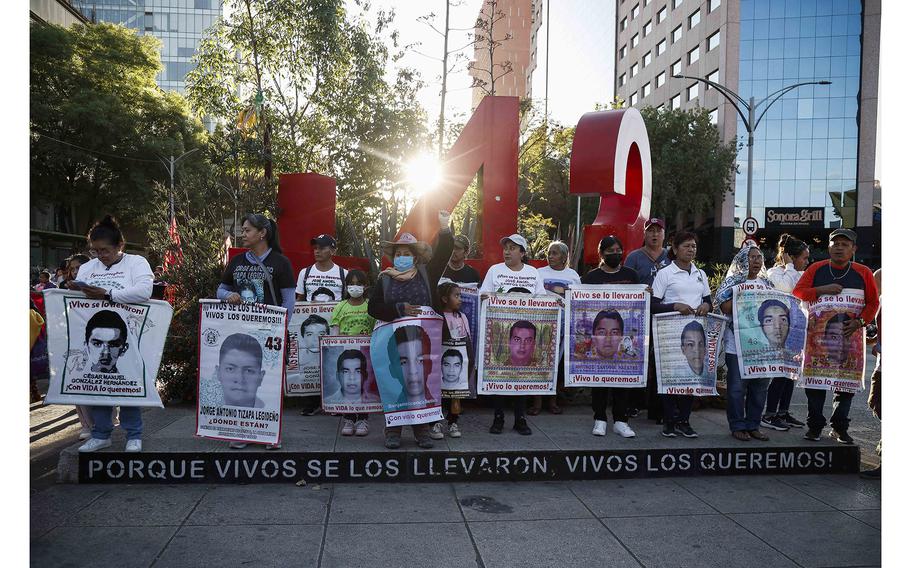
(261,269)
(745,397)
(682,287)
(402,289)
(130,282)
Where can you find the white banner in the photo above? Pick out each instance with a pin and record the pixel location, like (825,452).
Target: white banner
(103,353)
(309,322)
(349,384)
(834,360)
(241,370)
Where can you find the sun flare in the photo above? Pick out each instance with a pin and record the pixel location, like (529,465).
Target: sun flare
(424,173)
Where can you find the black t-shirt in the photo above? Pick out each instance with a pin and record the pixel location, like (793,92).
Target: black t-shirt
(624,275)
(247,279)
(465,275)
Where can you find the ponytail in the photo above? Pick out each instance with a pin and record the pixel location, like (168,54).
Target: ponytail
(789,245)
(271,229)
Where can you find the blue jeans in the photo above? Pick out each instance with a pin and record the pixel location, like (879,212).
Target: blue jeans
(745,398)
(780,392)
(839,418)
(130,420)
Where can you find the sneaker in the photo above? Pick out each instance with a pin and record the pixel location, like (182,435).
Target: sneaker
(273,446)
(775,423)
(622,428)
(790,421)
(759,435)
(361,428)
(237,445)
(347,427)
(813,435)
(95,444)
(454,430)
(600,428)
(686,430)
(392,441)
(436,432)
(841,437)
(498,422)
(668,431)
(521,426)
(633,413)
(85,434)
(310,411)
(875,473)
(742,436)
(425,443)
(134,445)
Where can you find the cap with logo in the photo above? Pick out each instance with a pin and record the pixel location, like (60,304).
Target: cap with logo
(324,241)
(517,239)
(654,221)
(846,233)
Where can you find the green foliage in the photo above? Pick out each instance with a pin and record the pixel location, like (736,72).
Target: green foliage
(691,167)
(98,121)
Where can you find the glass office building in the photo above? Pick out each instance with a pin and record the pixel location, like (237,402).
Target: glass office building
(806,146)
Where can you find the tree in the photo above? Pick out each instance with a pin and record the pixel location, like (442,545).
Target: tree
(691,167)
(485,40)
(98,121)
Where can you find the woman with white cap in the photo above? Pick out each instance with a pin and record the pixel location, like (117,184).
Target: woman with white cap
(402,289)
(513,275)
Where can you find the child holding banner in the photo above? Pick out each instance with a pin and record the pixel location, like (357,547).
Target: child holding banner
(457,360)
(350,317)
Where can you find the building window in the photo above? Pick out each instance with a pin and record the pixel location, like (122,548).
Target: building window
(622,52)
(646,60)
(662,15)
(713,116)
(693,55)
(634,41)
(633,99)
(661,79)
(661,47)
(714,40)
(645,3)
(634,70)
(622,79)
(149,22)
(647,29)
(692,91)
(646,90)
(635,11)
(676,35)
(659,107)
(713,5)
(713,76)
(694,18)
(677,4)
(675,102)
(677,67)
(623,24)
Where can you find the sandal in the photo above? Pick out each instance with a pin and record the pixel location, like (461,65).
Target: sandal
(555,409)
(742,436)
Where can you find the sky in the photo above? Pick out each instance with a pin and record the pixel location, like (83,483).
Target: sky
(581,60)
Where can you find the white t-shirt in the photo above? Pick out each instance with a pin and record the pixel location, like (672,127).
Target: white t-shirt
(784,278)
(128,281)
(501,279)
(321,286)
(729,341)
(673,284)
(558,281)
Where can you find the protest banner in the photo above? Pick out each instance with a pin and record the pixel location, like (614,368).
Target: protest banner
(241,371)
(518,344)
(406,361)
(835,361)
(103,353)
(459,379)
(606,336)
(770,331)
(348,382)
(686,349)
(308,323)
(470,307)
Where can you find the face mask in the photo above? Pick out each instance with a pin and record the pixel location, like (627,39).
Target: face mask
(613,260)
(404,263)
(355,291)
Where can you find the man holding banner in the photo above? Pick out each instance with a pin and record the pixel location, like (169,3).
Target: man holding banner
(843,298)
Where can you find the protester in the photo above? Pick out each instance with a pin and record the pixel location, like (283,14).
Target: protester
(682,287)
(73,264)
(350,317)
(402,289)
(457,270)
(261,269)
(557,278)
(792,259)
(745,397)
(610,271)
(831,277)
(59,274)
(37,344)
(159,284)
(455,327)
(44,281)
(512,275)
(875,389)
(129,283)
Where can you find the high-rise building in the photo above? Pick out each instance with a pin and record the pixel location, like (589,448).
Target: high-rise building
(518,21)
(814,150)
(59,12)
(179,24)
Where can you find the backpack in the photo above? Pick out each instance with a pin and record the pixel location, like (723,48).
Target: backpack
(344,286)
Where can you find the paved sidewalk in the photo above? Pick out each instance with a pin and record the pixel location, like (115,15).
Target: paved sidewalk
(742,521)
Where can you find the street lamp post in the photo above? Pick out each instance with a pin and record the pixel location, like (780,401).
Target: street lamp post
(171,165)
(750,121)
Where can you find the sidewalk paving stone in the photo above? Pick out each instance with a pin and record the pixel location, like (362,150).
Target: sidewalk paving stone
(393,503)
(398,546)
(261,505)
(89,547)
(835,494)
(638,498)
(137,506)
(750,494)
(49,508)
(519,501)
(260,546)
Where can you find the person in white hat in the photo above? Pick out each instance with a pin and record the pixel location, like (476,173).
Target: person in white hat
(402,289)
(513,275)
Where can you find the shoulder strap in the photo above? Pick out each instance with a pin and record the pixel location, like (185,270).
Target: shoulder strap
(306,274)
(344,287)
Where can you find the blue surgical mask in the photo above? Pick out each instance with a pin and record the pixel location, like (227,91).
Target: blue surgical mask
(403,263)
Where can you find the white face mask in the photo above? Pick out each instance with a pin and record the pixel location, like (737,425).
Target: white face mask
(355,291)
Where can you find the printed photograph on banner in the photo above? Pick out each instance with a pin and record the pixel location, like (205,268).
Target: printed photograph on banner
(770,328)
(241,371)
(457,379)
(406,358)
(606,336)
(835,361)
(686,350)
(470,307)
(518,346)
(308,323)
(349,384)
(104,353)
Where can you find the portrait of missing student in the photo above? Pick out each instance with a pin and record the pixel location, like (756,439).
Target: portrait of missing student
(410,348)
(348,376)
(309,322)
(834,360)
(686,352)
(455,368)
(105,341)
(770,331)
(692,342)
(239,370)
